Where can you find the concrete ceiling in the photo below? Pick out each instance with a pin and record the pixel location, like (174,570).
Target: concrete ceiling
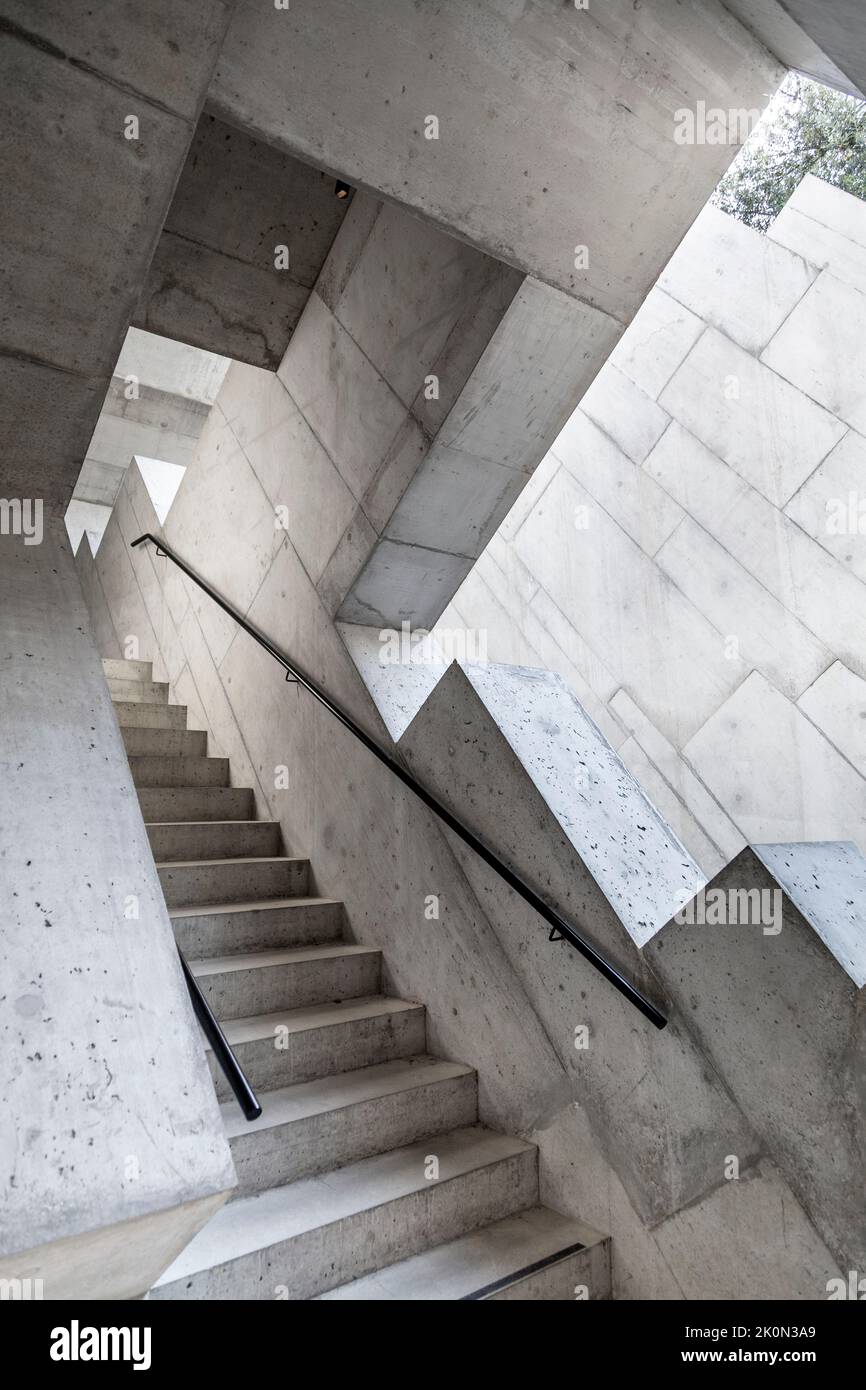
(213,281)
(839,29)
(555,125)
(825,39)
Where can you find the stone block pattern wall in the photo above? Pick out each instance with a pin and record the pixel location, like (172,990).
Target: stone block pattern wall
(691,554)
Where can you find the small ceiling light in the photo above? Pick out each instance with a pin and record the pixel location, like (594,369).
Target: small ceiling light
(341,189)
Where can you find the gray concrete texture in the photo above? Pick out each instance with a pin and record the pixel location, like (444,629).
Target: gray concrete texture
(385,857)
(84,206)
(774,1016)
(213,281)
(430,480)
(812,36)
(776,1008)
(837,28)
(535,101)
(157,402)
(363,1127)
(690,556)
(112,1152)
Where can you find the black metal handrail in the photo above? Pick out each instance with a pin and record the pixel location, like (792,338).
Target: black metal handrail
(557,923)
(231,1067)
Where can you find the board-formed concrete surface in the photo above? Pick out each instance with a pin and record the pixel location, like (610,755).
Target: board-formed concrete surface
(691,555)
(766,991)
(111,1148)
(500,995)
(245,237)
(366,1150)
(87,190)
(776,997)
(531,101)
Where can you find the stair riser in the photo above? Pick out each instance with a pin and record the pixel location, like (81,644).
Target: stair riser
(116,669)
(317,1260)
(190,885)
(318,1143)
(263,990)
(325,1051)
(196,803)
(214,840)
(588,1269)
(139,692)
(180,772)
(164,743)
(230,933)
(138,716)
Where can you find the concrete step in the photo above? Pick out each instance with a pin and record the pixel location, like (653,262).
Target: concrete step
(252,926)
(214,839)
(315,1234)
(293,1045)
(180,772)
(118,669)
(259,982)
(138,692)
(196,803)
(323,1124)
(164,743)
(132,714)
(203,881)
(535,1254)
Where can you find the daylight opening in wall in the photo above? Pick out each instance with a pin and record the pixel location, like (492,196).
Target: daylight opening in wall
(160,396)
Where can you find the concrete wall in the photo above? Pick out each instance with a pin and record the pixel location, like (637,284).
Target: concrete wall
(678,557)
(156,404)
(86,194)
(556,123)
(216,280)
(430,378)
(112,1153)
(680,1116)
(809,35)
(646,1155)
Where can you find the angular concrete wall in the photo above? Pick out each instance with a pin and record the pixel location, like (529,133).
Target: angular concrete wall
(808,35)
(507,1003)
(776,997)
(555,123)
(512,753)
(216,279)
(156,405)
(87,191)
(112,1152)
(420,388)
(691,555)
(559,100)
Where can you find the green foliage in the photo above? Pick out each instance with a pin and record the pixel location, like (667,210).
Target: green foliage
(809,129)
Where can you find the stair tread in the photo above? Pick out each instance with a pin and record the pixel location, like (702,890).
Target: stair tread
(280,955)
(326,1093)
(471,1263)
(211,824)
(127,667)
(138,758)
(235,859)
(281,1213)
(254,1027)
(252,905)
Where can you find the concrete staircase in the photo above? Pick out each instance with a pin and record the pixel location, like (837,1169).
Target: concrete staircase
(367,1175)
